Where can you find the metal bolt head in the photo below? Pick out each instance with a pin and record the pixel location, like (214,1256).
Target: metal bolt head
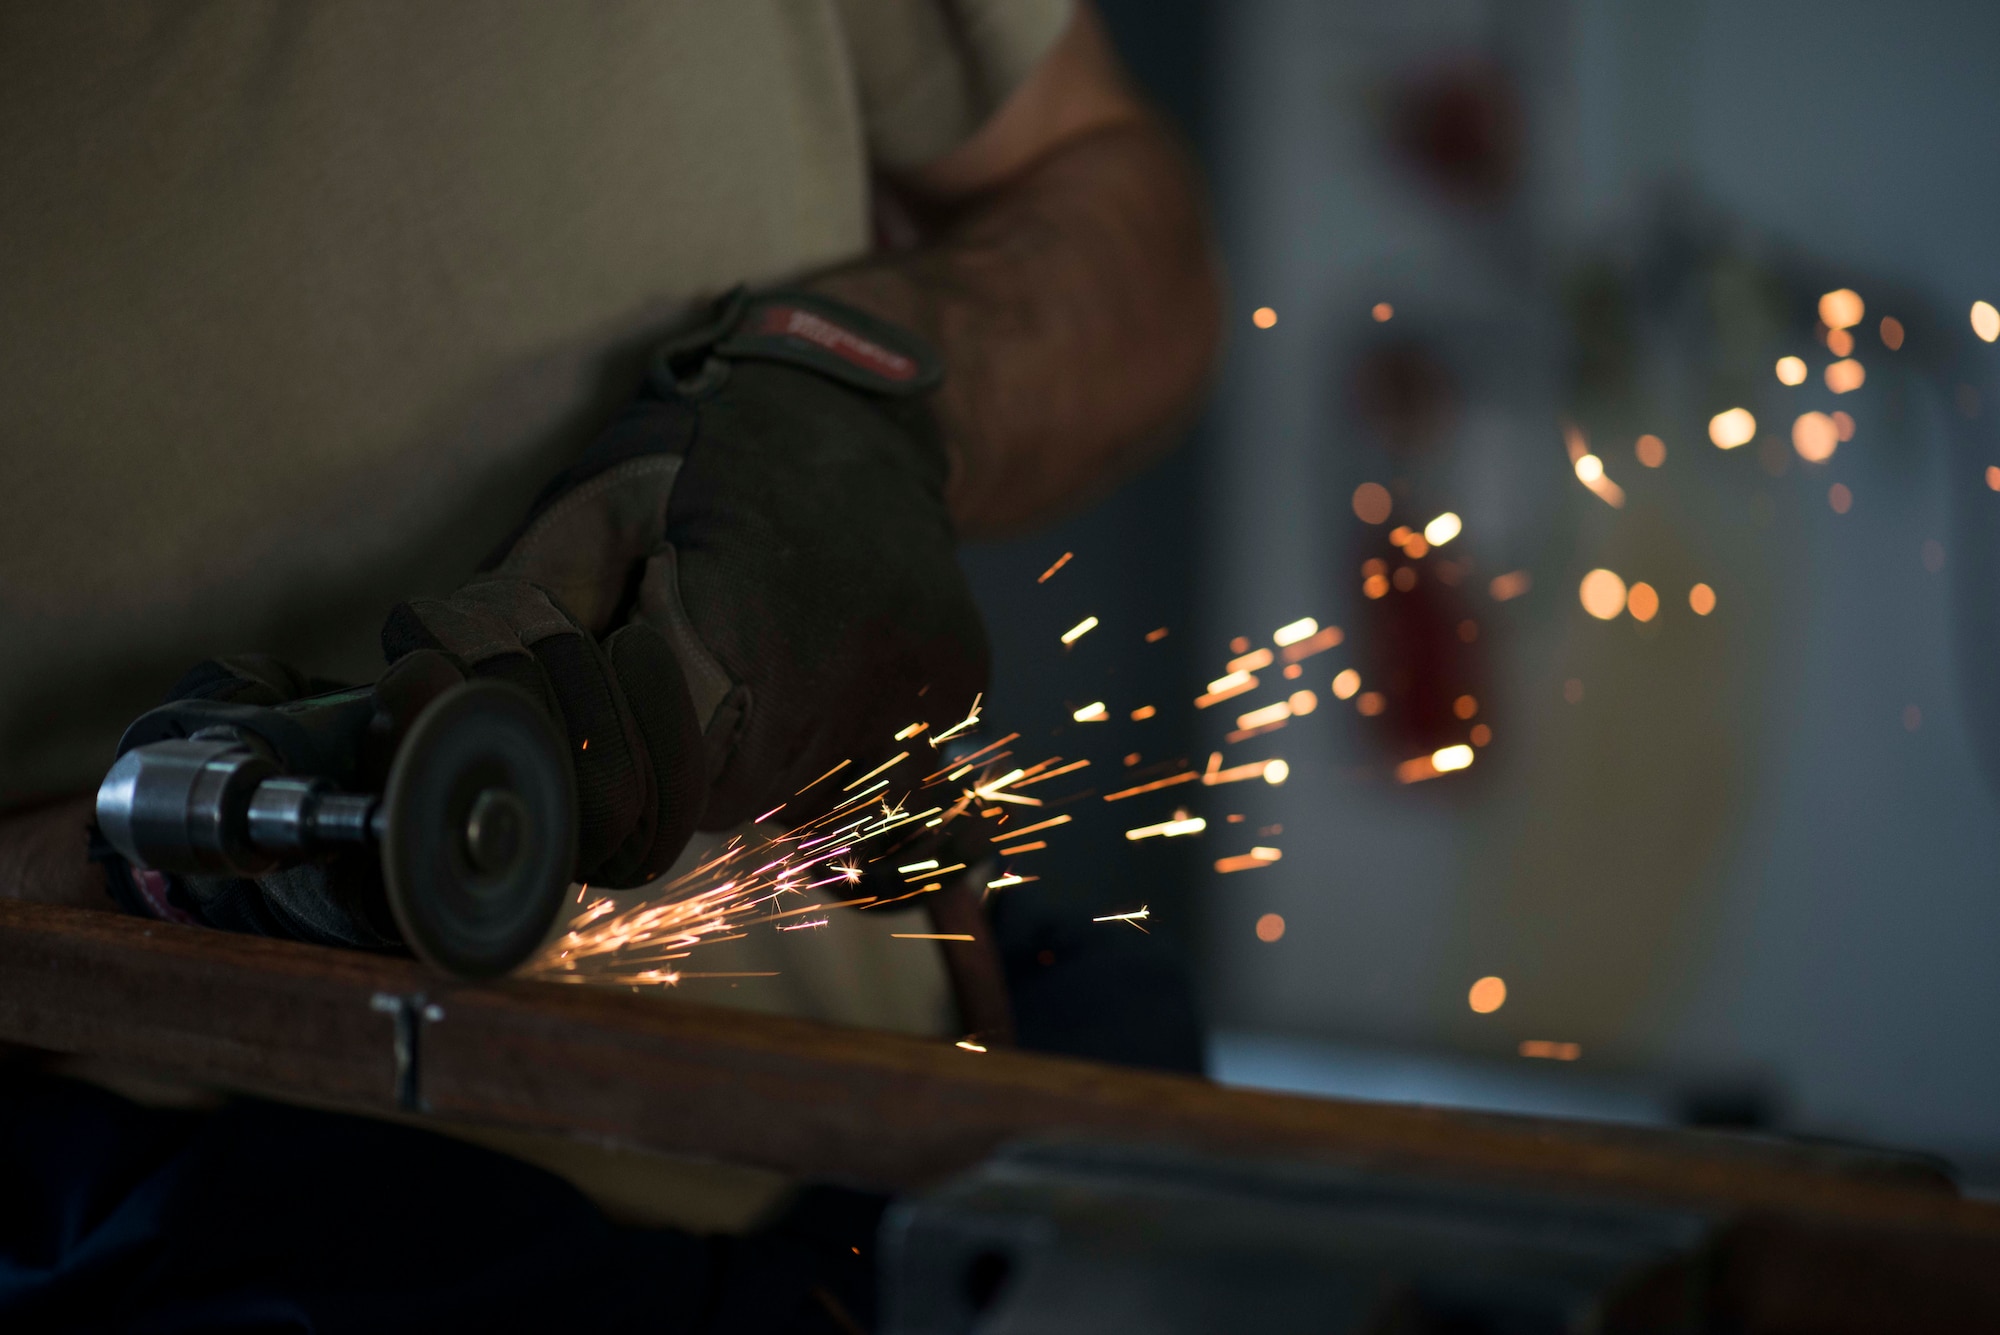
(495,831)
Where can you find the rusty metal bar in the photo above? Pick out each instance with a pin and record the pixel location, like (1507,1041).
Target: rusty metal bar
(374,1033)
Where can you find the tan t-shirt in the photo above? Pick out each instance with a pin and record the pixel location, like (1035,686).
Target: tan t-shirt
(301,303)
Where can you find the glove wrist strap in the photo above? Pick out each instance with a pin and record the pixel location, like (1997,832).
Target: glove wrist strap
(808,330)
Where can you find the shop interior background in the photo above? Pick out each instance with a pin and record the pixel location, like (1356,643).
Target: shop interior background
(1734,869)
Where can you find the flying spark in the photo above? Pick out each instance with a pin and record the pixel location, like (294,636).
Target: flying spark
(1056,773)
(1048,824)
(1186,776)
(1132,919)
(1262,717)
(890,763)
(1590,469)
(970,720)
(1253,661)
(1225,688)
(1169,829)
(1290,634)
(824,777)
(1318,643)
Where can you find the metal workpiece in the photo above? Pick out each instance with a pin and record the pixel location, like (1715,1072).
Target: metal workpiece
(1091,1237)
(1807,1242)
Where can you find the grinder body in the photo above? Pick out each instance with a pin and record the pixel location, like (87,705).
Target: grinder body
(464,821)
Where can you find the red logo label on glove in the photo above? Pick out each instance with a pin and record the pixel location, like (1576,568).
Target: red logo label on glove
(797,322)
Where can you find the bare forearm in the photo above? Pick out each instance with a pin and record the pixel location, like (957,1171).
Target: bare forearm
(1077,310)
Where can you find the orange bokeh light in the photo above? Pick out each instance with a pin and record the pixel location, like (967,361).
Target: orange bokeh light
(1465,706)
(1270,927)
(1371,703)
(1603,594)
(1892,332)
(1372,503)
(1263,317)
(1383,312)
(1652,451)
(1732,428)
(1815,436)
(1841,309)
(1702,599)
(1986,321)
(1643,602)
(1487,995)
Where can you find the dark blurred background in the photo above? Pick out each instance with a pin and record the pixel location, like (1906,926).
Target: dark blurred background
(1734,869)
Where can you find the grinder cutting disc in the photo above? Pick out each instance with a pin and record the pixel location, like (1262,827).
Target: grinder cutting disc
(480,812)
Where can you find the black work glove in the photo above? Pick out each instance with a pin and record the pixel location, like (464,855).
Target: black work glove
(747,579)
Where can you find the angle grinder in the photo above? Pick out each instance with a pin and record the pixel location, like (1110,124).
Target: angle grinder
(473,827)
